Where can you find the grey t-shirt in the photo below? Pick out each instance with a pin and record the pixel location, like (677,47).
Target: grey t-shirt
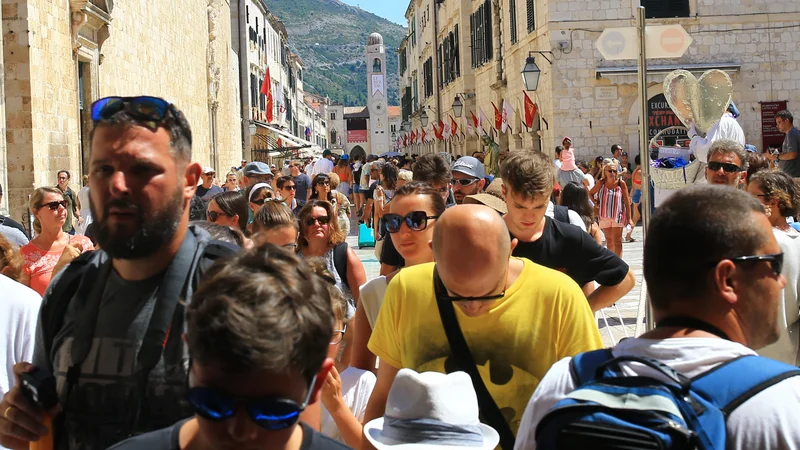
(791,144)
(99,411)
(302,184)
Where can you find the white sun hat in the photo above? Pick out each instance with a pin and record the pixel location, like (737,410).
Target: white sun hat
(431,411)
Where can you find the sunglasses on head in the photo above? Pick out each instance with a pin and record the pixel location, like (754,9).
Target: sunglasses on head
(464,181)
(269,413)
(727,167)
(323,220)
(54,205)
(148,109)
(416,221)
(213,215)
(260,202)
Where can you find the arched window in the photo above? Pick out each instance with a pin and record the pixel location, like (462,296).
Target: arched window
(376,65)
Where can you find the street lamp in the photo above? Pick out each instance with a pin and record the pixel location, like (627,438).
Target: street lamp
(531,72)
(406,126)
(458,107)
(424,118)
(252,128)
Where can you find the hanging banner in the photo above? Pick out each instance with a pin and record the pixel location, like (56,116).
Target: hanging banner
(378,85)
(356,136)
(769,132)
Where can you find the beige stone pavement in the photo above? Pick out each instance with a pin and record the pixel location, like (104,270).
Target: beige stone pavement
(615,323)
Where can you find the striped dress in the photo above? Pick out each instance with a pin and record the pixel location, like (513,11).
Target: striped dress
(611,204)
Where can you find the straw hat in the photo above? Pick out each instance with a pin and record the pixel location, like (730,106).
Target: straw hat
(493,197)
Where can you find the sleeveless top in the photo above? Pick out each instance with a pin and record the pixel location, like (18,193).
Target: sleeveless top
(637,179)
(611,203)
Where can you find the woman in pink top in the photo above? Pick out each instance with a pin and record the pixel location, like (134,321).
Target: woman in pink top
(569,171)
(43,252)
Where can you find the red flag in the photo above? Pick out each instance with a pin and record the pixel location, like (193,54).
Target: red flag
(475,122)
(453,126)
(438,131)
(498,118)
(266,89)
(530,110)
(280,143)
(413,136)
(424,135)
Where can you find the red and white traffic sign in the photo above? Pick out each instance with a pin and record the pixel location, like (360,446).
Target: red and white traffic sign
(663,41)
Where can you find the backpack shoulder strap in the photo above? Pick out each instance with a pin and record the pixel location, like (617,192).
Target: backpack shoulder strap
(340,261)
(583,366)
(464,361)
(730,385)
(561,213)
(54,307)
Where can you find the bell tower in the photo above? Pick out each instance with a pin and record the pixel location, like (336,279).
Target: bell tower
(377,95)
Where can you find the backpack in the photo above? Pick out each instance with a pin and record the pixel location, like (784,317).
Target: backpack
(561,213)
(608,410)
(340,262)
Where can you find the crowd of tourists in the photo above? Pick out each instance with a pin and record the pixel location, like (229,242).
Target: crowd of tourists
(162,307)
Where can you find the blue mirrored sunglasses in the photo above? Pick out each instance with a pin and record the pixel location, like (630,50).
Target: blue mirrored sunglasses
(269,413)
(148,109)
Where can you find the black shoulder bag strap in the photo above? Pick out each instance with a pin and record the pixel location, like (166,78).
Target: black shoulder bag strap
(340,262)
(463,356)
(175,282)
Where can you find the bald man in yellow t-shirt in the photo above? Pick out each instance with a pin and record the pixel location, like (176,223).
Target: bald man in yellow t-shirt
(517,317)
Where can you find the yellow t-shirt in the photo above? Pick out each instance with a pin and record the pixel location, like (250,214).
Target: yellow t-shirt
(543,318)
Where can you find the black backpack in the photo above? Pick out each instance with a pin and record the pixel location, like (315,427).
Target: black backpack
(561,213)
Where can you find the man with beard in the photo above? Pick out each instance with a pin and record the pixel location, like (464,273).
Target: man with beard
(111,323)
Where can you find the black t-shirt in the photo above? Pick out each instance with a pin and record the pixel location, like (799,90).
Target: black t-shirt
(357,174)
(370,192)
(169,439)
(9,222)
(567,248)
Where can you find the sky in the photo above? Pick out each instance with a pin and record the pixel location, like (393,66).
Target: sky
(393,10)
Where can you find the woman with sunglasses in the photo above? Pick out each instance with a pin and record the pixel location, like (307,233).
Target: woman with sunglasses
(231,182)
(780,195)
(259,329)
(45,250)
(276,224)
(410,222)
(228,209)
(320,236)
(613,205)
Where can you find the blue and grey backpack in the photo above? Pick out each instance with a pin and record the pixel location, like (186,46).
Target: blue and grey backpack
(610,411)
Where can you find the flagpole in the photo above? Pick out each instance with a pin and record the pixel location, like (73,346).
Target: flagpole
(644,145)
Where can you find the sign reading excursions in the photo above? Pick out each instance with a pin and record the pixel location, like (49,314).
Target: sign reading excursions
(769,131)
(661,117)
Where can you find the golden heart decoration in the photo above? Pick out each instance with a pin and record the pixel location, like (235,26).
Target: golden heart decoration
(703,100)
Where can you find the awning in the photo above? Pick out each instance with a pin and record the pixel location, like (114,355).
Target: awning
(607,72)
(294,141)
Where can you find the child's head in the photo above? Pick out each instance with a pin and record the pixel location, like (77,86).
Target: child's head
(275,224)
(258,332)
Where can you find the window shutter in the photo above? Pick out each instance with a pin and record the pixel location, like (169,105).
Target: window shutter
(457,56)
(472,35)
(531,17)
(487,7)
(664,9)
(512,19)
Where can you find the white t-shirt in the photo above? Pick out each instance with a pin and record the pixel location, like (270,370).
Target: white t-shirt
(574,218)
(324,165)
(767,421)
(588,177)
(357,386)
(371,298)
(19,313)
(788,345)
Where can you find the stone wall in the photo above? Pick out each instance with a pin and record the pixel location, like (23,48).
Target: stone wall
(160,48)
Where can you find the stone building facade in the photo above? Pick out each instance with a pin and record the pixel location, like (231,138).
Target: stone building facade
(580,94)
(60,56)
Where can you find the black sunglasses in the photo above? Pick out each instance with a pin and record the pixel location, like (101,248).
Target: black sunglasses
(260,202)
(144,108)
(727,167)
(213,215)
(441,292)
(269,413)
(54,205)
(324,220)
(464,181)
(775,261)
(290,188)
(326,183)
(415,220)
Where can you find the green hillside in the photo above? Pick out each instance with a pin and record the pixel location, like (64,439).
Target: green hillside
(331,38)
